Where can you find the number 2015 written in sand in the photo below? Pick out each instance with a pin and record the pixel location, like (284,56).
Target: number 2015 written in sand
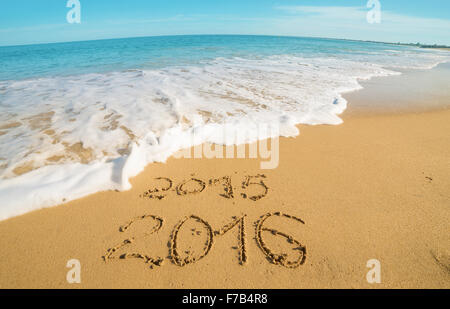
(197,186)
(204,234)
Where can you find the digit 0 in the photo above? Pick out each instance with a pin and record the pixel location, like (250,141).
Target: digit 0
(180,260)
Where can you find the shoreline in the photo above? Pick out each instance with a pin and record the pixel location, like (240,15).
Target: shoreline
(375,187)
(373,202)
(409,100)
(417,86)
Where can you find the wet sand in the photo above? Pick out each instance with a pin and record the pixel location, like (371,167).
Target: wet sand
(376,187)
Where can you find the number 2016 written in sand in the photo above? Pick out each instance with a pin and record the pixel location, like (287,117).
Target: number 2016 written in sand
(204,234)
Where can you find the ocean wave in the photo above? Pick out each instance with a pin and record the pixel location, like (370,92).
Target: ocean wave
(66,137)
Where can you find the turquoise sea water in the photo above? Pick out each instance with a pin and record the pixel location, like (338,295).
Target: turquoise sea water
(81,117)
(32,61)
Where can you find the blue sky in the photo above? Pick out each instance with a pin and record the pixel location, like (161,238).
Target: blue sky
(44,21)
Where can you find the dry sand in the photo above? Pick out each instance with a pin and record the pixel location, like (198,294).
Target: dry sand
(376,187)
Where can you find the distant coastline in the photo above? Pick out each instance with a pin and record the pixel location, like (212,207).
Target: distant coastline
(436,46)
(418,44)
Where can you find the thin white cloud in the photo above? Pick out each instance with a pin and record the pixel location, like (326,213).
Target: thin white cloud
(350,22)
(346,22)
(32,28)
(330,11)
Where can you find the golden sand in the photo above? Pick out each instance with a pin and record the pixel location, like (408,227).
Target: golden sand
(376,187)
(373,188)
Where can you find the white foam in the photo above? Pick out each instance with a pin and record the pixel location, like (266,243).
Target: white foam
(126,120)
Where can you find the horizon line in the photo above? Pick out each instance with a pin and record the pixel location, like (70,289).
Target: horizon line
(206,34)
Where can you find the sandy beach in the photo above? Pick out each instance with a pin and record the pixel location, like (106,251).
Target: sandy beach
(375,187)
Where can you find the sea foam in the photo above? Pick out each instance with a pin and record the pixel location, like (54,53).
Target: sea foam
(68,137)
